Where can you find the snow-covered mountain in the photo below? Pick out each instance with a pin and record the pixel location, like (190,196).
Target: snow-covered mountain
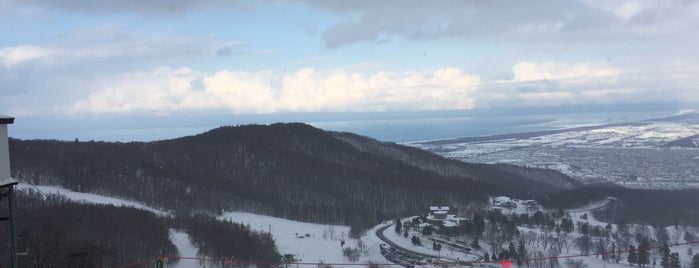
(658,153)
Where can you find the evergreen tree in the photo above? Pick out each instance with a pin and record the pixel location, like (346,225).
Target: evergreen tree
(567,225)
(436,246)
(585,228)
(427,230)
(643,255)
(664,256)
(475,244)
(584,243)
(695,261)
(675,260)
(521,253)
(405,234)
(689,237)
(399,226)
(416,241)
(486,257)
(661,235)
(513,254)
(504,255)
(478,225)
(632,258)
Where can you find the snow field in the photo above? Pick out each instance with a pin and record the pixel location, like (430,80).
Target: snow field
(323,243)
(185,248)
(89,198)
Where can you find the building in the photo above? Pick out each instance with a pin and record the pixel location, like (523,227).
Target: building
(441,220)
(4,148)
(439,213)
(7,186)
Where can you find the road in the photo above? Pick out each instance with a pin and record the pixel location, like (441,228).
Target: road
(379,234)
(608,202)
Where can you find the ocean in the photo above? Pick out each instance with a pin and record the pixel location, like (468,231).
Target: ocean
(384,126)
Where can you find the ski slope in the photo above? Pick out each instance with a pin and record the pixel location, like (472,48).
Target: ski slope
(310,242)
(89,198)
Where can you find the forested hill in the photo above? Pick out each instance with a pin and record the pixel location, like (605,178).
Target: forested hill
(287,170)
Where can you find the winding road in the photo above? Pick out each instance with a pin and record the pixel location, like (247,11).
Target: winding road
(380,235)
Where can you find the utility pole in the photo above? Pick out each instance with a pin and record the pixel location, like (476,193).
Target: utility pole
(13,232)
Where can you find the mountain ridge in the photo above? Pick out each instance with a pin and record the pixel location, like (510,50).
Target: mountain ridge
(290,170)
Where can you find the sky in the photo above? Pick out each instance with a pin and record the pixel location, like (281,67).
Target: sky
(98,63)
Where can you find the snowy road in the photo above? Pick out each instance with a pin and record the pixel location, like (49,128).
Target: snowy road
(380,235)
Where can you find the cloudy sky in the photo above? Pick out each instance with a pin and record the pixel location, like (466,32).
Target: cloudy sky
(104,59)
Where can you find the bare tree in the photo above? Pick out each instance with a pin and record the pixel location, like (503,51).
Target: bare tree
(331,231)
(553,262)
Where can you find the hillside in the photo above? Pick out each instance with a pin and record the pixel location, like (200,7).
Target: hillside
(641,206)
(287,170)
(61,228)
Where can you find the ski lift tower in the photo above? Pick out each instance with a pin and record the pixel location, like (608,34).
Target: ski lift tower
(7,186)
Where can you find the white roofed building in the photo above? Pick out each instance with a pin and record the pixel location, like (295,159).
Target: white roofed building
(7,186)
(5,151)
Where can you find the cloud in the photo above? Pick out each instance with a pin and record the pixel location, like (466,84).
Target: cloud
(557,84)
(230,49)
(107,47)
(168,90)
(10,56)
(562,84)
(530,71)
(161,90)
(164,90)
(623,9)
(224,51)
(379,21)
(540,21)
(152,7)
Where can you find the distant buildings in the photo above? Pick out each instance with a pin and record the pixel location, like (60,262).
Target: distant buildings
(441,220)
(439,213)
(514,205)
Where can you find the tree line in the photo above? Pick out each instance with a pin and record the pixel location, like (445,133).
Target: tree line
(55,232)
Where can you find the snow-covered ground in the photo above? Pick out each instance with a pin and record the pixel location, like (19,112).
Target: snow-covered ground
(185,248)
(447,254)
(323,243)
(310,242)
(89,198)
(635,155)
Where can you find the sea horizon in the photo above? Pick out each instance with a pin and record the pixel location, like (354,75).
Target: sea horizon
(399,127)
